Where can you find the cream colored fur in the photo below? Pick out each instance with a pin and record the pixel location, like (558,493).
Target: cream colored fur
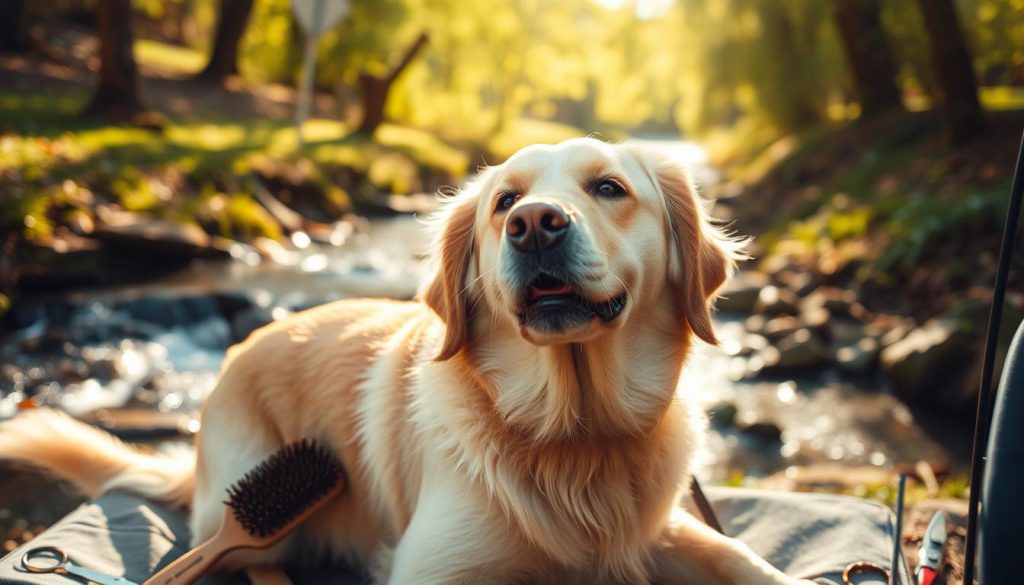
(480,450)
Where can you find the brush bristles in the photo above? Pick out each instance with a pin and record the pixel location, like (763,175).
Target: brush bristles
(283,486)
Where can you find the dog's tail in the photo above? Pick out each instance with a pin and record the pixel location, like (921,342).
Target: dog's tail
(95,461)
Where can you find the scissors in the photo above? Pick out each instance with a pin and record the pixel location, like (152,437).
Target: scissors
(932,547)
(50,559)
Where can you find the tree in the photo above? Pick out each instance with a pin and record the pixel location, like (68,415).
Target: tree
(231,23)
(118,95)
(374,89)
(867,51)
(12,26)
(952,63)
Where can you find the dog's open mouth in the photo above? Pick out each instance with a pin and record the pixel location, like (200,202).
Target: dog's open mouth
(548,293)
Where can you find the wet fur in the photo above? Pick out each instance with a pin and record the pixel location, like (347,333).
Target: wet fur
(478,451)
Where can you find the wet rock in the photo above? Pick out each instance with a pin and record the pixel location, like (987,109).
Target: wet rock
(199,308)
(723,414)
(212,333)
(136,234)
(70,370)
(766,431)
(780,327)
(25,314)
(839,302)
(746,344)
(248,320)
(741,292)
(860,358)
(755,324)
(231,303)
(819,321)
(163,311)
(798,351)
(772,300)
(800,281)
(51,340)
(896,333)
(105,369)
(928,364)
(66,260)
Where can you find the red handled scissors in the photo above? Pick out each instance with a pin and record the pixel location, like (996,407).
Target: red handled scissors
(929,556)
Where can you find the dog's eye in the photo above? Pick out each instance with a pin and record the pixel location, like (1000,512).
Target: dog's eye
(506,200)
(609,188)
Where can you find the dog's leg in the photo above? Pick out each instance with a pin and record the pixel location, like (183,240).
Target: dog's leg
(692,553)
(453,538)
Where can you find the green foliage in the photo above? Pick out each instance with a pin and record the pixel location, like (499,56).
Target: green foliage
(54,164)
(919,222)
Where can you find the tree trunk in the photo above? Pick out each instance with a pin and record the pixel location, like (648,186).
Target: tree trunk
(231,23)
(13,36)
(867,50)
(374,90)
(951,60)
(118,95)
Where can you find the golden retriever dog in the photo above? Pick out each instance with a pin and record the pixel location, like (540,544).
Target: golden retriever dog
(519,423)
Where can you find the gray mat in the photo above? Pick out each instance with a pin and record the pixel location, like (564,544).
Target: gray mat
(806,535)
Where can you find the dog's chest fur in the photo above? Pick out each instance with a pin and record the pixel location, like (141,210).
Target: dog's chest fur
(592,501)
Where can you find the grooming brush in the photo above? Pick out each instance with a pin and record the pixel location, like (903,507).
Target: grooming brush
(263,507)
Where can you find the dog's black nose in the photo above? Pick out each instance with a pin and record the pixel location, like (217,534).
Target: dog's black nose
(537,225)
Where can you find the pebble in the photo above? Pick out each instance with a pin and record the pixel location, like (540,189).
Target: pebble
(773,300)
(723,414)
(797,351)
(741,292)
(764,430)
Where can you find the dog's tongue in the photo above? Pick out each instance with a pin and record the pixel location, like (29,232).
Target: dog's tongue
(561,289)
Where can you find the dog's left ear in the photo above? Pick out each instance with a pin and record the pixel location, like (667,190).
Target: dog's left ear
(701,255)
(445,292)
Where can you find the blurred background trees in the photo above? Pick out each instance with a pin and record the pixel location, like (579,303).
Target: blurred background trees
(610,65)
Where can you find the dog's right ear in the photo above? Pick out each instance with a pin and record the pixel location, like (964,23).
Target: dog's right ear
(446,290)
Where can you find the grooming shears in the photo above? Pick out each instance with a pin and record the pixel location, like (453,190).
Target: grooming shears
(51,559)
(929,557)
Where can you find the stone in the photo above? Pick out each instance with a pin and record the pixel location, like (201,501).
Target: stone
(773,300)
(140,234)
(66,260)
(741,292)
(248,320)
(799,350)
(766,431)
(25,314)
(858,359)
(723,414)
(161,310)
(818,320)
(229,303)
(930,361)
(800,281)
(839,302)
(778,327)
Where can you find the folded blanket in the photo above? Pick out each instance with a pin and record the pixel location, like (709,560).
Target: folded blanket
(812,536)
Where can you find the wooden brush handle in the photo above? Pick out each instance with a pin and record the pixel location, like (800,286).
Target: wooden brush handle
(189,567)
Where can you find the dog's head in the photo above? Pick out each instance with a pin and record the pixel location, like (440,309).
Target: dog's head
(564,243)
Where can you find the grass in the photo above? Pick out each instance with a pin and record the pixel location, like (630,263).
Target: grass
(202,145)
(171,58)
(46,145)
